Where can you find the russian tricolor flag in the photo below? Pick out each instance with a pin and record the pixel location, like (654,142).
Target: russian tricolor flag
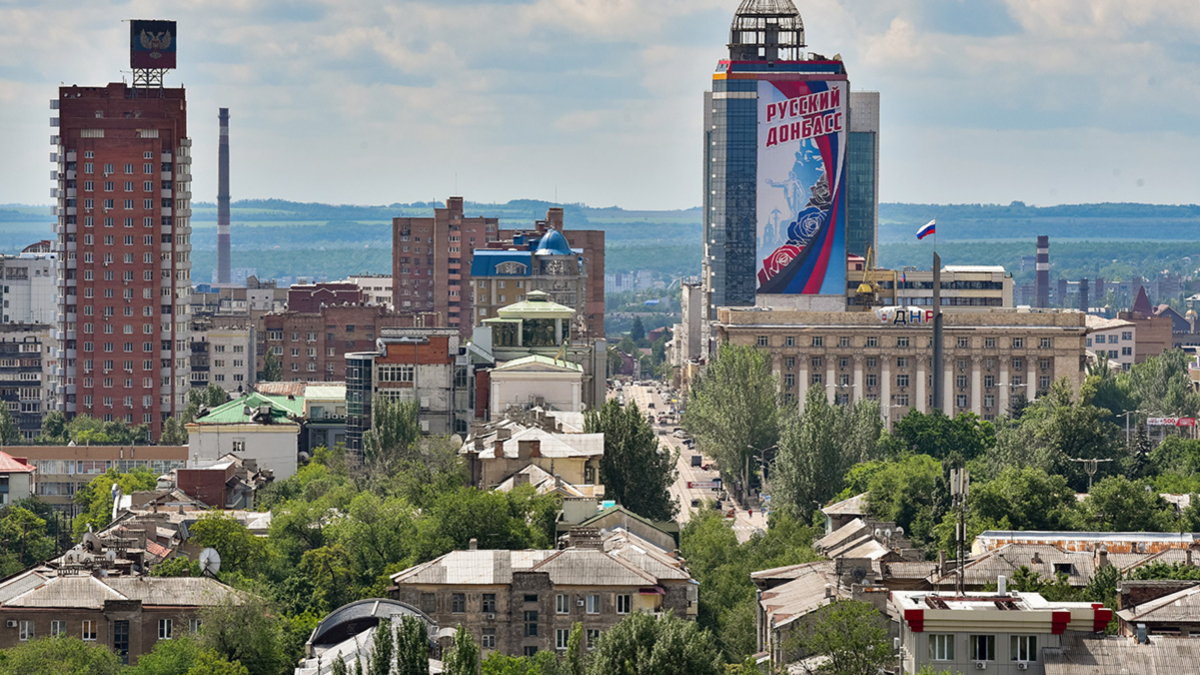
(930,228)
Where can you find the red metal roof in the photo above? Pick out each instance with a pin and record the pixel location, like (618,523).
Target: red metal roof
(8,464)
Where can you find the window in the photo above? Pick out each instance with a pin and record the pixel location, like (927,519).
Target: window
(58,627)
(789,341)
(902,380)
(26,631)
(562,604)
(789,380)
(1022,647)
(964,343)
(1112,339)
(941,647)
(531,651)
(901,342)
(989,401)
(872,362)
(623,602)
(983,647)
(88,632)
(194,625)
(902,400)
(489,603)
(1126,351)
(762,341)
(1018,343)
(561,635)
(961,401)
(844,341)
(1044,343)
(989,381)
(872,341)
(531,626)
(816,378)
(593,637)
(818,341)
(1127,335)
(816,362)
(1018,364)
(789,362)
(458,603)
(489,638)
(1044,382)
(872,380)
(531,598)
(902,362)
(593,604)
(989,343)
(961,381)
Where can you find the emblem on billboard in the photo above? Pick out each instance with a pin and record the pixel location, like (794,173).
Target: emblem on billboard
(155,42)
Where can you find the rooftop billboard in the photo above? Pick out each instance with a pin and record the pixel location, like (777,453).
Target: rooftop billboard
(152,44)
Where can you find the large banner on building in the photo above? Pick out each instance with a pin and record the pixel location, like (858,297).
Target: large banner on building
(152,44)
(803,130)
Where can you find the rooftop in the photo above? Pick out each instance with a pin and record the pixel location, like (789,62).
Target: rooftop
(10,464)
(89,592)
(245,410)
(1095,655)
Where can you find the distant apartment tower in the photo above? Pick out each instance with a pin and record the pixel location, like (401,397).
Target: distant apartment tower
(123,184)
(862,175)
(1043,271)
(29,288)
(431,262)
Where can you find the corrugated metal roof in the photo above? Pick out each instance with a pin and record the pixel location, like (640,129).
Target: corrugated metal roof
(1088,655)
(592,567)
(20,584)
(235,411)
(801,595)
(1177,607)
(91,592)
(854,506)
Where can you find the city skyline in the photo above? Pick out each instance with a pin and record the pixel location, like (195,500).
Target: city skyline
(571,101)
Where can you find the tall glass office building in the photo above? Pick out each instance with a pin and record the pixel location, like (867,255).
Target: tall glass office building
(790,181)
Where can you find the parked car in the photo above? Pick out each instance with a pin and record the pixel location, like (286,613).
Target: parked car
(697,460)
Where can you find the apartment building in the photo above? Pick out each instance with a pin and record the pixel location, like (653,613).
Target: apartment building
(64,469)
(27,383)
(30,287)
(1115,339)
(991,356)
(523,602)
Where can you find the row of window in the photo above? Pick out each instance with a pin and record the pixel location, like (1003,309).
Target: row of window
(872,362)
(903,341)
(87,631)
(983,647)
(562,604)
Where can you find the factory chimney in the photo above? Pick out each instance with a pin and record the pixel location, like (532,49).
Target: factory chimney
(223,200)
(1043,271)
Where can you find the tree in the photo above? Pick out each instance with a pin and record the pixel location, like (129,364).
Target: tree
(1118,504)
(240,550)
(176,567)
(54,428)
(463,657)
(643,644)
(85,430)
(60,655)
(412,647)
(1027,499)
(636,471)
(9,433)
(638,332)
(1162,383)
(382,650)
(95,499)
(24,540)
(173,433)
(573,661)
(272,368)
(852,634)
(732,410)
(184,655)
(818,447)
(246,631)
(911,493)
(939,436)
(395,430)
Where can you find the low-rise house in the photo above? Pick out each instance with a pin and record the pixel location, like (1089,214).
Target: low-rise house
(1113,542)
(507,449)
(16,479)
(522,602)
(840,514)
(127,614)
(999,632)
(1159,607)
(663,535)
(262,427)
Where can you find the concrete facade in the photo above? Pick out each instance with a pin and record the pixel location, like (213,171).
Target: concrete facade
(27,382)
(63,469)
(990,356)
(1116,339)
(29,288)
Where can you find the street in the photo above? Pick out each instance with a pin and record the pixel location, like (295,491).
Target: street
(744,524)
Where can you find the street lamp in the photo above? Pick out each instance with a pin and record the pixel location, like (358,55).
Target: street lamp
(1126,415)
(746,479)
(886,410)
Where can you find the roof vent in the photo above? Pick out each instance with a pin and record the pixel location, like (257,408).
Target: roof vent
(473,545)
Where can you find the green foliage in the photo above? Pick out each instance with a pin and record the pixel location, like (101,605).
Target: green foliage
(636,471)
(272,368)
(1161,383)
(24,539)
(184,655)
(9,433)
(965,437)
(732,409)
(1117,504)
(173,433)
(1161,570)
(54,428)
(395,428)
(383,649)
(852,634)
(85,430)
(910,492)
(463,656)
(246,632)
(723,567)
(176,567)
(641,643)
(241,551)
(638,332)
(818,447)
(95,499)
(61,655)
(412,647)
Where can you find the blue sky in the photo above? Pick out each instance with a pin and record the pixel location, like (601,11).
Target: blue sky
(600,101)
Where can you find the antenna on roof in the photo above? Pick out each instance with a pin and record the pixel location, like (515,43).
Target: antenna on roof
(210,562)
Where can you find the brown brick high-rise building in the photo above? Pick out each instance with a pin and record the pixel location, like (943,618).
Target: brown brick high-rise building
(431,262)
(124,250)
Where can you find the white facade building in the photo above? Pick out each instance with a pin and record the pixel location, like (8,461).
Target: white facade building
(30,291)
(1114,338)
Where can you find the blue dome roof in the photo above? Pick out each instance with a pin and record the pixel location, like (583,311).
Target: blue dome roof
(554,243)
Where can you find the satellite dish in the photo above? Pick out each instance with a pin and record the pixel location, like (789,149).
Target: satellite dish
(456,441)
(92,543)
(111,556)
(210,562)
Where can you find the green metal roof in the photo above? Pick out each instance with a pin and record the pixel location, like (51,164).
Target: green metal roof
(543,360)
(536,305)
(235,412)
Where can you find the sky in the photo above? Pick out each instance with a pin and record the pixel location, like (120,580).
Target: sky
(600,101)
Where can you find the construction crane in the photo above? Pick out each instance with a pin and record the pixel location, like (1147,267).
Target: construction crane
(868,290)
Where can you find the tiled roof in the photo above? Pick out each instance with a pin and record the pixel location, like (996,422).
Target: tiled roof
(10,465)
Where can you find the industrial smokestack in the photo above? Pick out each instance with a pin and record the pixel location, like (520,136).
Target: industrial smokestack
(1085,297)
(1043,271)
(223,200)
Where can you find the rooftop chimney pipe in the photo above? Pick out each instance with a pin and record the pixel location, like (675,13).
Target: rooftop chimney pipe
(223,199)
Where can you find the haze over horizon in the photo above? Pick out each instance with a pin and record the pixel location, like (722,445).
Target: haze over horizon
(986,101)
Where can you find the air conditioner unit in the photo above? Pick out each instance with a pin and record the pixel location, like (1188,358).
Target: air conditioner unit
(491,617)
(1022,665)
(11,623)
(579,603)
(981,665)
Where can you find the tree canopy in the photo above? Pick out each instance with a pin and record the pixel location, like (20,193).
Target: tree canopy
(636,471)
